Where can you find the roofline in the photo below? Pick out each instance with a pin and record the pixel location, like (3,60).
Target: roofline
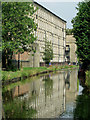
(49,11)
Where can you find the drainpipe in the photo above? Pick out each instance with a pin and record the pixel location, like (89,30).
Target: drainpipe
(18,60)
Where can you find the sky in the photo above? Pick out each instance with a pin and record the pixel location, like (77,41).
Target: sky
(65,9)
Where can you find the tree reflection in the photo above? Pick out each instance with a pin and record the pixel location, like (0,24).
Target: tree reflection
(48,85)
(18,109)
(67,80)
(82,111)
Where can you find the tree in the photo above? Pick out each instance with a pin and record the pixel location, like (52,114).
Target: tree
(48,52)
(81,31)
(68,31)
(17,28)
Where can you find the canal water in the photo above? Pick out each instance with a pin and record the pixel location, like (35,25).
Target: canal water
(55,95)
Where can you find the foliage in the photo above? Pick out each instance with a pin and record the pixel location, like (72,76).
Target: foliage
(69,31)
(48,52)
(33,68)
(82,110)
(17,28)
(88,79)
(7,75)
(81,31)
(18,109)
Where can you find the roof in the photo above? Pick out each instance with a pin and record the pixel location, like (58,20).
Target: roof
(48,10)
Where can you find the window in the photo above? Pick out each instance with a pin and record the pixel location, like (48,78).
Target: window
(62,29)
(36,16)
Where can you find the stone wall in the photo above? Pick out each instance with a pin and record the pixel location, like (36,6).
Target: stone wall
(52,28)
(70,42)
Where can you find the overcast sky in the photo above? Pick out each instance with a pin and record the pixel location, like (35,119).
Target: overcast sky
(63,8)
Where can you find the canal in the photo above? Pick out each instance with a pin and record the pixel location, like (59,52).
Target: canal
(54,95)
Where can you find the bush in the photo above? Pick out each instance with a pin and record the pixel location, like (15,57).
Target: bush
(88,78)
(4,76)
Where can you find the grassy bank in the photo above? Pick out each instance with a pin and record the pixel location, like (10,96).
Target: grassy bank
(28,71)
(88,78)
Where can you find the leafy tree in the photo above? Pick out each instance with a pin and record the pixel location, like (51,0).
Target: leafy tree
(17,28)
(48,52)
(81,30)
(68,31)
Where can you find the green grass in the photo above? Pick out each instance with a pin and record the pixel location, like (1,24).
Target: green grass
(10,75)
(33,68)
(27,71)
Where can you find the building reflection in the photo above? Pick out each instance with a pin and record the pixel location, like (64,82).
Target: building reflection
(71,94)
(71,86)
(48,94)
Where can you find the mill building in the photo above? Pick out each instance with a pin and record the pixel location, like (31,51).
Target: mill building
(52,28)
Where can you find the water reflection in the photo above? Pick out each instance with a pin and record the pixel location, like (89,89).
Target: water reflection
(82,109)
(71,93)
(44,97)
(48,87)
